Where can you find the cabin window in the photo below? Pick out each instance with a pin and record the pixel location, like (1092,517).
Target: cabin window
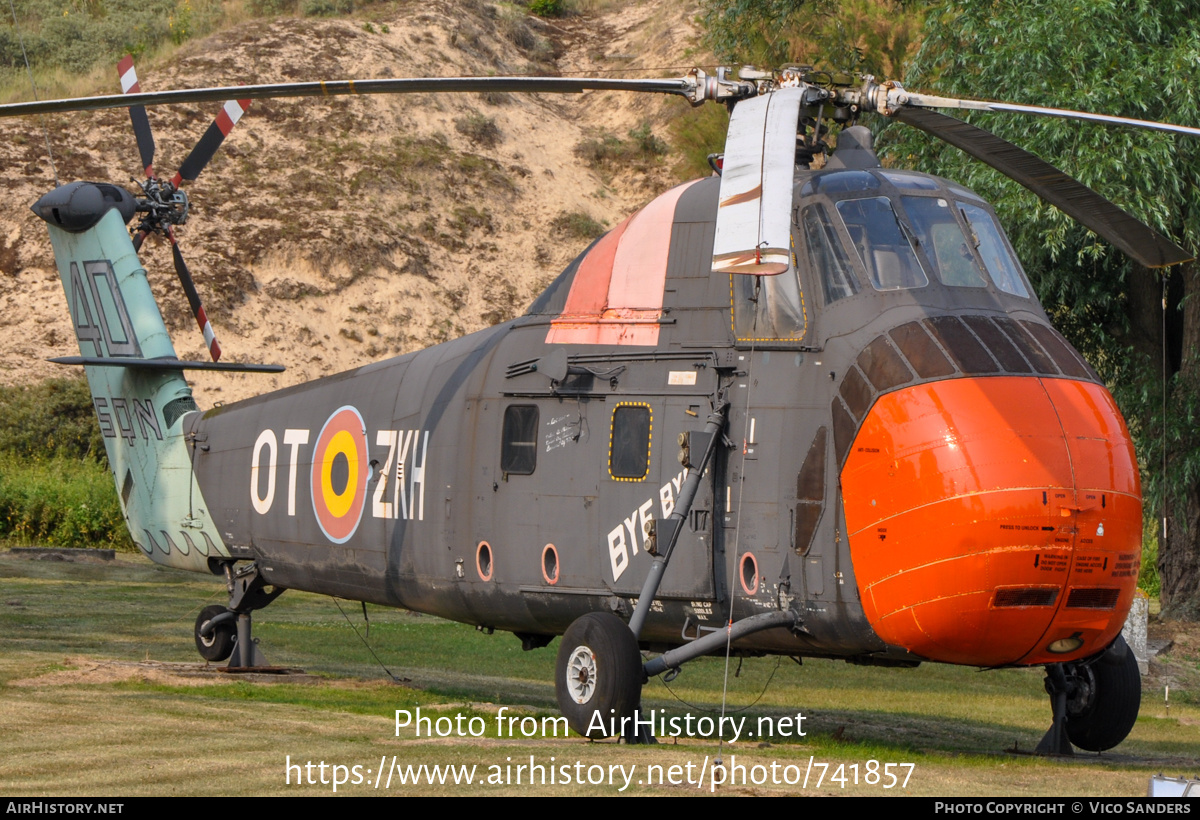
(518,448)
(993,248)
(943,241)
(881,241)
(629,442)
(826,255)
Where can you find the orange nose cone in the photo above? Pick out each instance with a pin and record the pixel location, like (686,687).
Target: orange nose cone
(995,521)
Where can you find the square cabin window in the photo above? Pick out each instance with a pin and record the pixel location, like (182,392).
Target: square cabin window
(518,448)
(629,442)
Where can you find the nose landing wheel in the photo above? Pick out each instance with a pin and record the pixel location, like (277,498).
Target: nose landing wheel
(1095,702)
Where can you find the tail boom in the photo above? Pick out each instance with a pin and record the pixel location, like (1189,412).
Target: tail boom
(140,409)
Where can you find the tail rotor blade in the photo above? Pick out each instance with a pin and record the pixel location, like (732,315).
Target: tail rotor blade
(211,141)
(137,114)
(189,288)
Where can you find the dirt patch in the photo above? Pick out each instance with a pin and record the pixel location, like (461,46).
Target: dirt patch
(87,670)
(70,555)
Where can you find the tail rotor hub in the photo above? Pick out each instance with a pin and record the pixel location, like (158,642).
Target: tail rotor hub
(163,203)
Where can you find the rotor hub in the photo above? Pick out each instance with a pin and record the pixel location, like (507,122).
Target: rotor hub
(164,205)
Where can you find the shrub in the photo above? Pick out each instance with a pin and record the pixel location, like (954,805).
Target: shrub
(546,8)
(645,141)
(642,147)
(51,419)
(481,129)
(55,485)
(61,502)
(576,225)
(326,8)
(696,133)
(272,8)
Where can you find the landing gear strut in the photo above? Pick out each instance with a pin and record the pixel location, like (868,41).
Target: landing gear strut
(1095,702)
(225,631)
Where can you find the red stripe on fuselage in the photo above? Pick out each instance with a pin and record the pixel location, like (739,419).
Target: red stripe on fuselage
(617,294)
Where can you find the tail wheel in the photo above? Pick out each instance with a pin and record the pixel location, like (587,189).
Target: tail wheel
(218,644)
(598,676)
(1104,705)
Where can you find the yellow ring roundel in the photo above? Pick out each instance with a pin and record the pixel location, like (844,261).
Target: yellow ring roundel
(339,474)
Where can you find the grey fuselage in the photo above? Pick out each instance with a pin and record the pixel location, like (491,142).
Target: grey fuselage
(442,527)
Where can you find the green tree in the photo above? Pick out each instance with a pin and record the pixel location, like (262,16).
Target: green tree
(50,419)
(871,36)
(1135,58)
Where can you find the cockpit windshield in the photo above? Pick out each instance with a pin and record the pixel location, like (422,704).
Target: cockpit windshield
(993,249)
(906,229)
(943,240)
(897,230)
(882,243)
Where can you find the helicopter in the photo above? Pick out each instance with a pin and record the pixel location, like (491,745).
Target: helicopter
(797,408)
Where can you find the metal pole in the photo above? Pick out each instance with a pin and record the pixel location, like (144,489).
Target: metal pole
(674,523)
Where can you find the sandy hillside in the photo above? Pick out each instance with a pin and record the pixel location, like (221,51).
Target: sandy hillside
(330,233)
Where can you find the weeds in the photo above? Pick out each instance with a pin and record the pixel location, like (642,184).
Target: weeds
(575,225)
(272,8)
(482,130)
(646,143)
(496,98)
(605,150)
(468,219)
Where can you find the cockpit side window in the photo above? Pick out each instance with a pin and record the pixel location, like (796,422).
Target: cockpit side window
(943,241)
(768,308)
(993,249)
(826,255)
(882,244)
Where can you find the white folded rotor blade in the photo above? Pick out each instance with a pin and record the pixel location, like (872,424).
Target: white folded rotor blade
(753,232)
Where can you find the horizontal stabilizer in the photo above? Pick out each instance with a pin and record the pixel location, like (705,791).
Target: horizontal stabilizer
(167,364)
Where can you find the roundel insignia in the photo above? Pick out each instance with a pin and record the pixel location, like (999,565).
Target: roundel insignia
(339,474)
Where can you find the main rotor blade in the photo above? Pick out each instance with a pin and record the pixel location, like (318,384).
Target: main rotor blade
(189,288)
(933,101)
(1132,236)
(231,112)
(415,85)
(137,113)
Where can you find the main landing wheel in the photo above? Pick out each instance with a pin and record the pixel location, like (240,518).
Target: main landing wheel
(218,644)
(598,675)
(1104,705)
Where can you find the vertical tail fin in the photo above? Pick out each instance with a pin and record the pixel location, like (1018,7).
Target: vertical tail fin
(138,401)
